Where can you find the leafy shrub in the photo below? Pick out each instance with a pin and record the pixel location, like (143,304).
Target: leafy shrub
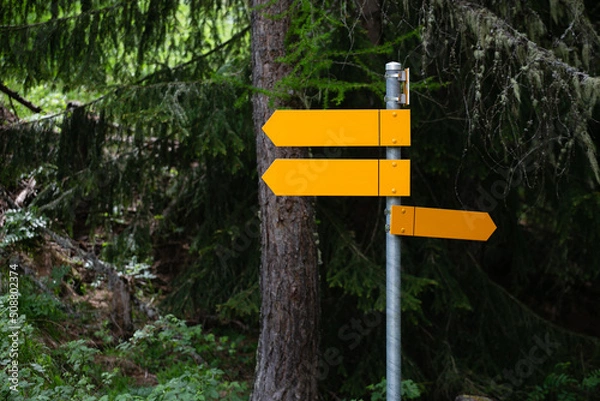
(20,225)
(560,385)
(410,390)
(199,384)
(171,336)
(71,372)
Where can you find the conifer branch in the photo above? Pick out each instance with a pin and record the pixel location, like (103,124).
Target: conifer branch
(103,10)
(14,95)
(483,13)
(200,57)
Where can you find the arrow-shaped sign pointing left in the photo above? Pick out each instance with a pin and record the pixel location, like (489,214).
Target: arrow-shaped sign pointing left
(339,128)
(338,177)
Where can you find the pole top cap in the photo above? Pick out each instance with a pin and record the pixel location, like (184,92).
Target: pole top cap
(393,66)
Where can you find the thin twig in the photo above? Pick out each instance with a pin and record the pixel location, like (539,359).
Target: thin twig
(12,106)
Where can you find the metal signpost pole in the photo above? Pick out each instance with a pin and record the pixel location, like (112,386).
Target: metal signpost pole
(393,71)
(367,177)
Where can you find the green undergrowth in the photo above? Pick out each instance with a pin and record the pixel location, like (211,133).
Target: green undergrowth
(164,360)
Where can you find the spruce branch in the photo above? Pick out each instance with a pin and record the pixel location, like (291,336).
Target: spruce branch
(217,48)
(482,13)
(104,10)
(14,95)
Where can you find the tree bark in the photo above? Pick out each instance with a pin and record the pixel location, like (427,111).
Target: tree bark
(286,366)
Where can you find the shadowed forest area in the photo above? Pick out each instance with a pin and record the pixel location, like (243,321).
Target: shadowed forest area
(136,233)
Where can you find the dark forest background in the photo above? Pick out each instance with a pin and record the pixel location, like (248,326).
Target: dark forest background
(129,209)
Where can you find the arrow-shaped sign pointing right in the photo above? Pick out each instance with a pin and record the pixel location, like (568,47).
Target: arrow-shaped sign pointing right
(441,223)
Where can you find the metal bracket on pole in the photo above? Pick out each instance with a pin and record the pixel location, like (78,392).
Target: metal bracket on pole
(404,77)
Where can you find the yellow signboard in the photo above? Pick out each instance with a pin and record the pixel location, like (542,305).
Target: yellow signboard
(339,128)
(356,177)
(338,177)
(441,223)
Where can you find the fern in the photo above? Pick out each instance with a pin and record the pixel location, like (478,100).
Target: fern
(410,390)
(592,381)
(20,225)
(560,385)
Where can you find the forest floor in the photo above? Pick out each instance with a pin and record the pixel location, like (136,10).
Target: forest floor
(110,332)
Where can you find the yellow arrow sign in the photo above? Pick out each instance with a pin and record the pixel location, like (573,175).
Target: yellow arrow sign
(339,128)
(441,223)
(338,177)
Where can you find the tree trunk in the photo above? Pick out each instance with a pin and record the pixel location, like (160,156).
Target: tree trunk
(286,366)
(370,15)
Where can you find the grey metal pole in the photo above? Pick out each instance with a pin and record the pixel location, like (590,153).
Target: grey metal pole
(392,255)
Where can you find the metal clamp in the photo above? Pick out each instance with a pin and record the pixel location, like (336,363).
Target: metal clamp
(400,100)
(401,75)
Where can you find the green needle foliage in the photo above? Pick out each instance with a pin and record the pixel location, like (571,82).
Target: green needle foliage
(158,167)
